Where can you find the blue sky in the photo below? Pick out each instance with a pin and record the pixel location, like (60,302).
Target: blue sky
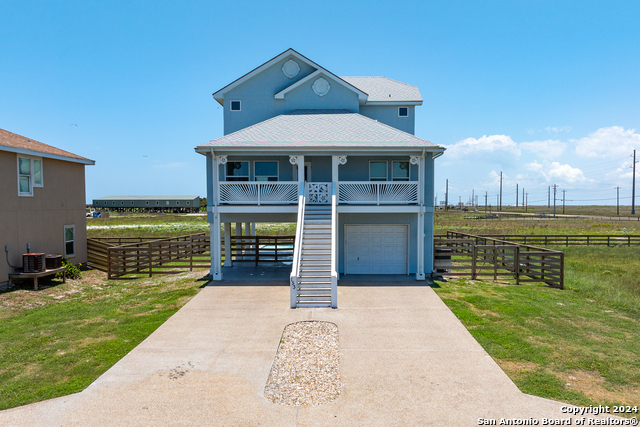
(545,91)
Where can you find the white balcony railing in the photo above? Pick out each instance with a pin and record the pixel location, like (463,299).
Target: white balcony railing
(368,192)
(348,192)
(257,193)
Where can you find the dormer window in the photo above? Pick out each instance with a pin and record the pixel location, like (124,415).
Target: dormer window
(403,111)
(235,106)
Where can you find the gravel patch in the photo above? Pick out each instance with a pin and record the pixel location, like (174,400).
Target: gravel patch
(306,369)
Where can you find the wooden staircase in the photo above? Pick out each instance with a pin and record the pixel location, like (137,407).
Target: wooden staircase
(314,280)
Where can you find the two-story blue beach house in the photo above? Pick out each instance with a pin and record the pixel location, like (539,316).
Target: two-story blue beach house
(337,156)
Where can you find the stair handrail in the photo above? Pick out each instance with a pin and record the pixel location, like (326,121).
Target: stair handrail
(297,250)
(334,246)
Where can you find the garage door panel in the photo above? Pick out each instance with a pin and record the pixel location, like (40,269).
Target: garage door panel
(376,249)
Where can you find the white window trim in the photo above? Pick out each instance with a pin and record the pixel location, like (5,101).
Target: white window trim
(238,176)
(386,178)
(399,115)
(277,175)
(231,105)
(67,241)
(408,178)
(32,171)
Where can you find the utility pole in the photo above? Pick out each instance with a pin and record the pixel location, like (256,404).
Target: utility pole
(497,200)
(446,196)
(618,201)
(549,196)
(633,191)
(486,194)
(523,195)
(516,196)
(473,198)
(500,190)
(564,196)
(526,204)
(554,200)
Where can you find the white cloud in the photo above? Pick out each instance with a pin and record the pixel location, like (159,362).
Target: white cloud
(491,144)
(613,141)
(547,149)
(558,129)
(557,173)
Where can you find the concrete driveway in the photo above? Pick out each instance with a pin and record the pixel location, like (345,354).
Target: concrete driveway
(405,360)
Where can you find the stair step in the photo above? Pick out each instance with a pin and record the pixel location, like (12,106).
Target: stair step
(315,292)
(315,299)
(317,226)
(316,268)
(316,265)
(303,305)
(314,281)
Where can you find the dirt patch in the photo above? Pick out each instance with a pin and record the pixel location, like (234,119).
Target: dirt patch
(515,368)
(595,387)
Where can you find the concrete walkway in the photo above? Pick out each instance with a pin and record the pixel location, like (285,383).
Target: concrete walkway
(405,360)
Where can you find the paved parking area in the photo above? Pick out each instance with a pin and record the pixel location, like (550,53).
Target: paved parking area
(405,360)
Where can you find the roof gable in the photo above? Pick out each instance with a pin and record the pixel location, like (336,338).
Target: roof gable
(362,96)
(219,95)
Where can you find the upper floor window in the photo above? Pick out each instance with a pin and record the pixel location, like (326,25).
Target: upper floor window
(403,111)
(235,106)
(266,171)
(29,175)
(400,171)
(237,171)
(378,170)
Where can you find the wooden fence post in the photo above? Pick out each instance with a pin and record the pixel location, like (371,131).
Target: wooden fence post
(257,250)
(150,259)
(516,260)
(474,255)
(495,262)
(108,263)
(190,253)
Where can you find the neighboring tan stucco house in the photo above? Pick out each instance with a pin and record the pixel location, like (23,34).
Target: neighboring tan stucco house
(336,155)
(42,201)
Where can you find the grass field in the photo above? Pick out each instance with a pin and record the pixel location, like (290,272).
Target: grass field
(58,340)
(580,345)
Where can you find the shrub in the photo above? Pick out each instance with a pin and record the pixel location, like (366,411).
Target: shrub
(71,271)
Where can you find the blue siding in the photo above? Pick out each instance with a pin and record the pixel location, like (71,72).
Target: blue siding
(388,114)
(339,97)
(357,168)
(257,96)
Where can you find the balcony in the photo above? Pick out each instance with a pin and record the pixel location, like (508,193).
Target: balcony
(349,193)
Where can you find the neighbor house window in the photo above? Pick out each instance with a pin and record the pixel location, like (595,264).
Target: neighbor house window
(29,175)
(177,203)
(69,240)
(157,203)
(237,171)
(235,105)
(167,203)
(400,171)
(403,111)
(132,203)
(146,203)
(188,203)
(378,170)
(266,171)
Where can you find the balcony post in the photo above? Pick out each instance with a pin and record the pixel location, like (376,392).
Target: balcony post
(228,262)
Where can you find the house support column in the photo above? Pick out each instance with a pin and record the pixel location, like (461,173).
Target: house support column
(215,242)
(238,241)
(228,262)
(422,236)
(428,177)
(216,246)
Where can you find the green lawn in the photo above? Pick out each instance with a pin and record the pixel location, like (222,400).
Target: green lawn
(579,345)
(60,339)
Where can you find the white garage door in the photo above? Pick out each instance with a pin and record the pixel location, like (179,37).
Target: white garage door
(376,249)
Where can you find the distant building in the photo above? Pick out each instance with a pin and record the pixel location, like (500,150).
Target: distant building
(171,204)
(42,201)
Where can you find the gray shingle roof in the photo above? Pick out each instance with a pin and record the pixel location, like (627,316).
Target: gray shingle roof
(10,141)
(383,89)
(319,128)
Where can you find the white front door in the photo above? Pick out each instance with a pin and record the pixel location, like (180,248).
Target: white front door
(376,249)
